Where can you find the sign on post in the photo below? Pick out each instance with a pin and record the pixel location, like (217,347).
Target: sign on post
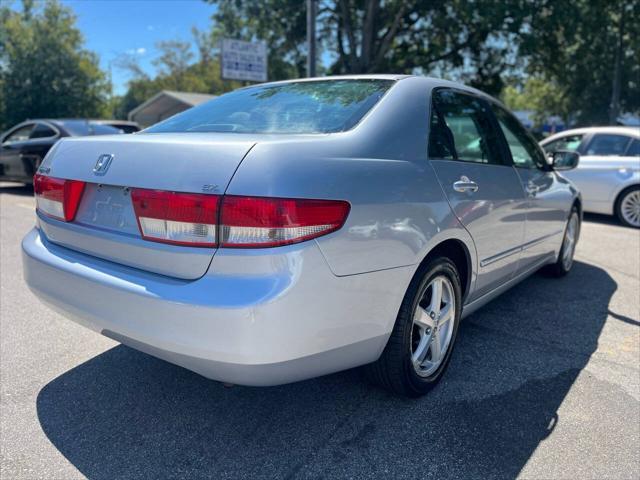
(244,60)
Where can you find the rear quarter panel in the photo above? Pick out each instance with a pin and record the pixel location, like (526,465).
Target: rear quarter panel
(601,178)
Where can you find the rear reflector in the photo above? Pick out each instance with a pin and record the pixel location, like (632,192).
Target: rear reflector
(270,222)
(56,197)
(178,218)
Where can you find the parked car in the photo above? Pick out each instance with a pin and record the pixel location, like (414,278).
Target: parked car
(124,126)
(294,229)
(609,172)
(25,145)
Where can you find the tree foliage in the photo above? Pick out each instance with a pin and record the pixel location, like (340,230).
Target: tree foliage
(178,69)
(44,69)
(571,50)
(374,36)
(575,44)
(543,97)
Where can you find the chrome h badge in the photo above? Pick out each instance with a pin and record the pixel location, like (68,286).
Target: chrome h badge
(102,165)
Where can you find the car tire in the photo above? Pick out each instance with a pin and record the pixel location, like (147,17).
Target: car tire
(400,368)
(567,251)
(627,207)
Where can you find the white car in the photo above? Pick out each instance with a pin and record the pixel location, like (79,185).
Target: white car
(608,174)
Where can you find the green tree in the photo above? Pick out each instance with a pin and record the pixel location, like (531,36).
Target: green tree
(178,69)
(44,69)
(590,50)
(368,36)
(545,98)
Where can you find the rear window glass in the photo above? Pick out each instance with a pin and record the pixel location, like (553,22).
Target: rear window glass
(299,107)
(100,129)
(604,144)
(78,128)
(634,149)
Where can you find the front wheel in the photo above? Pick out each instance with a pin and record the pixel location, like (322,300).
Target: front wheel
(628,207)
(567,251)
(420,346)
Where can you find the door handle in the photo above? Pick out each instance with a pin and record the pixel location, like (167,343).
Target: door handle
(465,185)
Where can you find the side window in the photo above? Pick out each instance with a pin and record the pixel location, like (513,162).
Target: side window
(42,131)
(570,142)
(606,144)
(19,135)
(634,149)
(461,129)
(524,149)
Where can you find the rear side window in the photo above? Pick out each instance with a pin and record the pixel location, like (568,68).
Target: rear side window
(634,149)
(606,144)
(20,135)
(570,142)
(461,129)
(324,106)
(42,131)
(524,149)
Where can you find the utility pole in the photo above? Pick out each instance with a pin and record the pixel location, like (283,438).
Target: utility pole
(614,106)
(311,37)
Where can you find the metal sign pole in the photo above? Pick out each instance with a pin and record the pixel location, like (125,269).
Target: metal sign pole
(311,38)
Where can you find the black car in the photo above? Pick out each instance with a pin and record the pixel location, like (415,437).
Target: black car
(25,145)
(124,125)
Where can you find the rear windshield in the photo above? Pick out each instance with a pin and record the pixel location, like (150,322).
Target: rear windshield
(302,107)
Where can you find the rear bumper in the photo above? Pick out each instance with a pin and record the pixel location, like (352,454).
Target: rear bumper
(261,317)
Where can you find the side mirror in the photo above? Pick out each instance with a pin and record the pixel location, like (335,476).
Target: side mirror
(564,160)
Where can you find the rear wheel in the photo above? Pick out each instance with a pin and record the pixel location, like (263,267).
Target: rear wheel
(420,346)
(628,207)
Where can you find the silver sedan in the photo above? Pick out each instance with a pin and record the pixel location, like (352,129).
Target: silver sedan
(609,171)
(294,229)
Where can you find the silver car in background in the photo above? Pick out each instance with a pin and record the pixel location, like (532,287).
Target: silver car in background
(609,171)
(294,229)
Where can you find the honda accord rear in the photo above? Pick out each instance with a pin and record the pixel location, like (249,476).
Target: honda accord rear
(197,240)
(289,230)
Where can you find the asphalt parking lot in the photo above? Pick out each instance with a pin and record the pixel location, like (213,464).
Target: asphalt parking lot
(544,384)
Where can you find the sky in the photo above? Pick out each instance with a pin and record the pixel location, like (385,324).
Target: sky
(113,28)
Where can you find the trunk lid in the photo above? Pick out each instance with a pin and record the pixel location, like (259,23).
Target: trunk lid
(106,226)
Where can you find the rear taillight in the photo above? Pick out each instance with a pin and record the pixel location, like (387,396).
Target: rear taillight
(56,197)
(178,218)
(244,222)
(271,222)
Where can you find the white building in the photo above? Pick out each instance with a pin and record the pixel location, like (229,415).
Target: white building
(164,105)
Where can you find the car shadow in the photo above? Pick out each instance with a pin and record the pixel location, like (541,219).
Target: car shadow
(602,219)
(124,414)
(16,189)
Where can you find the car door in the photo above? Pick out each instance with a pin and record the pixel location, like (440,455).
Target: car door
(11,165)
(548,199)
(479,182)
(41,139)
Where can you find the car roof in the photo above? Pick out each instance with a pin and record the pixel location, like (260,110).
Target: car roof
(430,82)
(103,121)
(620,130)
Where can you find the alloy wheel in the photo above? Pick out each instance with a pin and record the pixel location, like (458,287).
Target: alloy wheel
(569,245)
(433,323)
(630,208)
